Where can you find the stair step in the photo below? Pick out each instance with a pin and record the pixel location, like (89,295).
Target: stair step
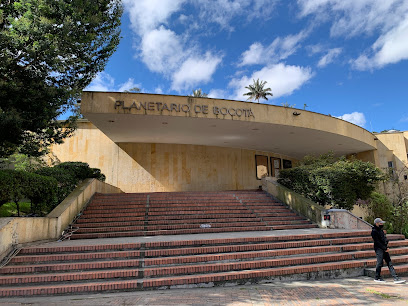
(400,269)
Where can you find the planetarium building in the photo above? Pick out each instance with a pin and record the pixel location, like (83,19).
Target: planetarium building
(153,143)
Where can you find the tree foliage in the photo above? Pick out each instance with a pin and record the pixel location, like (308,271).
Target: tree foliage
(331,181)
(49,52)
(257,91)
(198,93)
(46,187)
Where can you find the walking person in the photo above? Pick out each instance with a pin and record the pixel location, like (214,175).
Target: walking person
(381,251)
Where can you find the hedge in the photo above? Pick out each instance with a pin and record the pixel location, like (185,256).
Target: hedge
(46,187)
(337,182)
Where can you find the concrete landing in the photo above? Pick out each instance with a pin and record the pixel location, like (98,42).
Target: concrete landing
(207,236)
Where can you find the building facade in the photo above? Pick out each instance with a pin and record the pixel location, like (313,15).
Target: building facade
(153,143)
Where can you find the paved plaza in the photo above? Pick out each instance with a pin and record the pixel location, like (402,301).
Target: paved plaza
(355,291)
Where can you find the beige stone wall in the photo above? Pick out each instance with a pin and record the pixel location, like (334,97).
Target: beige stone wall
(393,147)
(17,231)
(98,103)
(141,167)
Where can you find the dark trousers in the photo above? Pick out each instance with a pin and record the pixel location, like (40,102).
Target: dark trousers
(382,255)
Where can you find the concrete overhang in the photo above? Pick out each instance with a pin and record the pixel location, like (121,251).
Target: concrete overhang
(260,127)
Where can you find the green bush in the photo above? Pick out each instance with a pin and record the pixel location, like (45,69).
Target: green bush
(66,181)
(68,176)
(394,213)
(16,185)
(46,187)
(6,186)
(81,170)
(330,181)
(42,192)
(378,205)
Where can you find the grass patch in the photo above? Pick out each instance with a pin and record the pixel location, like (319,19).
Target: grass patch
(10,209)
(383,295)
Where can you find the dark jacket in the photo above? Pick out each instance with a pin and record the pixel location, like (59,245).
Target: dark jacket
(379,237)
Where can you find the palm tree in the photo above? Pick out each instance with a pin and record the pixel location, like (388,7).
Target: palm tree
(257,91)
(133,89)
(198,93)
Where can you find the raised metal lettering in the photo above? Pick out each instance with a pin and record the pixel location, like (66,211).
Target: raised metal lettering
(197,108)
(118,104)
(204,108)
(165,107)
(185,108)
(175,107)
(234,113)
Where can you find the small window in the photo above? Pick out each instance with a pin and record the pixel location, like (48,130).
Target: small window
(286,163)
(262,166)
(275,166)
(390,164)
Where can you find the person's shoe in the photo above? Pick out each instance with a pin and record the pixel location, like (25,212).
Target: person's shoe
(397,280)
(379,280)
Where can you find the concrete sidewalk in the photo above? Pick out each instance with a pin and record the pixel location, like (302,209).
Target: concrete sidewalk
(355,291)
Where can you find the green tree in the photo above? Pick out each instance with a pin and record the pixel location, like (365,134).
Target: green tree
(49,52)
(133,89)
(331,181)
(198,93)
(257,91)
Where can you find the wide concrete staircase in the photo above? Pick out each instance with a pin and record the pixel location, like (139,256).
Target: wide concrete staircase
(151,214)
(89,267)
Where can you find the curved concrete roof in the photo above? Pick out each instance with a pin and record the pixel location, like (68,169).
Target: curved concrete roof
(150,118)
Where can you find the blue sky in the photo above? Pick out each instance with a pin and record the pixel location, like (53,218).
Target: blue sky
(345,58)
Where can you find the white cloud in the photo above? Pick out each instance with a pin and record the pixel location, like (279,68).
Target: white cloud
(195,70)
(390,48)
(355,117)
(105,82)
(162,50)
(354,17)
(102,82)
(218,94)
(176,56)
(387,19)
(280,48)
(146,15)
(158,90)
(222,12)
(314,49)
(129,84)
(329,57)
(282,79)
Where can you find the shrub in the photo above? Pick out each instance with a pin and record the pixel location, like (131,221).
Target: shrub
(378,205)
(327,180)
(6,186)
(66,180)
(16,185)
(69,175)
(82,170)
(46,187)
(42,192)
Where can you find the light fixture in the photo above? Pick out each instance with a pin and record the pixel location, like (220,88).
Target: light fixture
(165,123)
(111,121)
(255,129)
(295,113)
